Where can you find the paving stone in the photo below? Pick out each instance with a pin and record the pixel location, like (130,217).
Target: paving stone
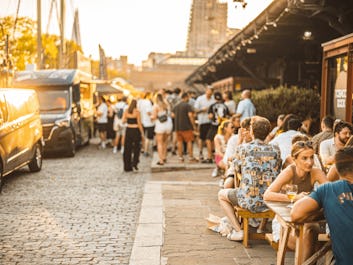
(80,210)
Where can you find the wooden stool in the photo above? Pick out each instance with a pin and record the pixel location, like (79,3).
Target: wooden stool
(245,214)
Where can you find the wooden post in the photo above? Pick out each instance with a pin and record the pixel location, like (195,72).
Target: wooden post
(39,34)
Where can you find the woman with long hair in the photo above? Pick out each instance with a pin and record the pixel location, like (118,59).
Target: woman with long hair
(304,175)
(163,126)
(225,131)
(133,137)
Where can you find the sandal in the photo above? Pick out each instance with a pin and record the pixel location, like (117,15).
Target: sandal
(159,163)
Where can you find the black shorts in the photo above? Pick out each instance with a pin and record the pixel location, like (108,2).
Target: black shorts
(102,127)
(212,132)
(149,132)
(204,128)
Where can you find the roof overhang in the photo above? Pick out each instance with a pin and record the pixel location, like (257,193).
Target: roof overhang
(292,30)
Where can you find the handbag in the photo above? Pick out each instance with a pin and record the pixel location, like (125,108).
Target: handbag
(163,118)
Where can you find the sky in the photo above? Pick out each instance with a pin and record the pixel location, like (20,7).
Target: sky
(129,27)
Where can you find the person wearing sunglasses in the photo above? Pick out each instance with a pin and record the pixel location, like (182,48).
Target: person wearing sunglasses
(303,174)
(303,138)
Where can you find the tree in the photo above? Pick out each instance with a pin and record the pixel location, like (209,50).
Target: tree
(23,44)
(22,41)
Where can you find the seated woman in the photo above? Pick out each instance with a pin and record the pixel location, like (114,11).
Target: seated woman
(289,159)
(243,136)
(302,173)
(225,131)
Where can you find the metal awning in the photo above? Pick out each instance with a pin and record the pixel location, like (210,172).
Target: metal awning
(108,88)
(280,46)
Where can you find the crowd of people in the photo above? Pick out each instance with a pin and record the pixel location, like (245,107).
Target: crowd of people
(172,121)
(254,161)
(264,163)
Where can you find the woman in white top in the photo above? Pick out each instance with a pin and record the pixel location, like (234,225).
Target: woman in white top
(229,102)
(225,131)
(163,126)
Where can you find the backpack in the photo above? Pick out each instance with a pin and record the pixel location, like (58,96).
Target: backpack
(120,113)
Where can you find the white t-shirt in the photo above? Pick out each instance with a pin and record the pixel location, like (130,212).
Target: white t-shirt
(145,108)
(231,106)
(327,149)
(120,105)
(102,108)
(284,142)
(201,103)
(231,146)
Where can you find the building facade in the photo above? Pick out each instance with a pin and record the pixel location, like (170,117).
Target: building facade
(207,27)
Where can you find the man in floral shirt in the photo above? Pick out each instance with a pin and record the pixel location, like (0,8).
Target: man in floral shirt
(259,164)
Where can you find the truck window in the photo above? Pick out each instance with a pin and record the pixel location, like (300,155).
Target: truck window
(56,101)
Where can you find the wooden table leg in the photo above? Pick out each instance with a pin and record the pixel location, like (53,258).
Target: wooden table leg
(282,247)
(299,247)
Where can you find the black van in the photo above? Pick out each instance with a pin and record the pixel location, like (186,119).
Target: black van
(21,138)
(66,106)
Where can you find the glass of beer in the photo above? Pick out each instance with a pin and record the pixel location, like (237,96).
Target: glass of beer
(291,191)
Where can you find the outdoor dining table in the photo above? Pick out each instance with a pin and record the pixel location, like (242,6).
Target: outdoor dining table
(283,217)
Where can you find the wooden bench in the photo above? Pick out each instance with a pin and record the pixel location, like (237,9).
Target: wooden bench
(245,215)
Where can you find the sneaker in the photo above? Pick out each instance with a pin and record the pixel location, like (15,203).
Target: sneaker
(236,236)
(103,145)
(122,150)
(215,173)
(207,161)
(181,159)
(115,150)
(253,222)
(193,160)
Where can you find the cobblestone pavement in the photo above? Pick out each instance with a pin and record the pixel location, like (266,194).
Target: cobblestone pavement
(80,210)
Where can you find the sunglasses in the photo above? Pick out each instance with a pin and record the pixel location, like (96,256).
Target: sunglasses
(304,144)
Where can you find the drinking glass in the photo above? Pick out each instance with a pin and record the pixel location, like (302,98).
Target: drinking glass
(291,190)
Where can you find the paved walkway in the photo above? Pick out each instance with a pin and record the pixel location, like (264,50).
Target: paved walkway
(172,227)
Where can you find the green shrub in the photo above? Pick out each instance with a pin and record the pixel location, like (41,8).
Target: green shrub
(270,103)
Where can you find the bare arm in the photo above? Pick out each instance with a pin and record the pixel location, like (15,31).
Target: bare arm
(319,176)
(332,174)
(124,118)
(154,113)
(217,146)
(192,120)
(273,191)
(139,123)
(306,209)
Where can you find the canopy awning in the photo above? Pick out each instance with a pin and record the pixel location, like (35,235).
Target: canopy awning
(282,45)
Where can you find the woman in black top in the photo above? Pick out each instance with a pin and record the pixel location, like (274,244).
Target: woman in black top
(133,137)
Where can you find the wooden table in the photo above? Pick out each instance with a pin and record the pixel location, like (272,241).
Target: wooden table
(283,217)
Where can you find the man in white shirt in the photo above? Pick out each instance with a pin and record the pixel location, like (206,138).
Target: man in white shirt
(102,121)
(201,107)
(245,107)
(342,131)
(284,140)
(145,107)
